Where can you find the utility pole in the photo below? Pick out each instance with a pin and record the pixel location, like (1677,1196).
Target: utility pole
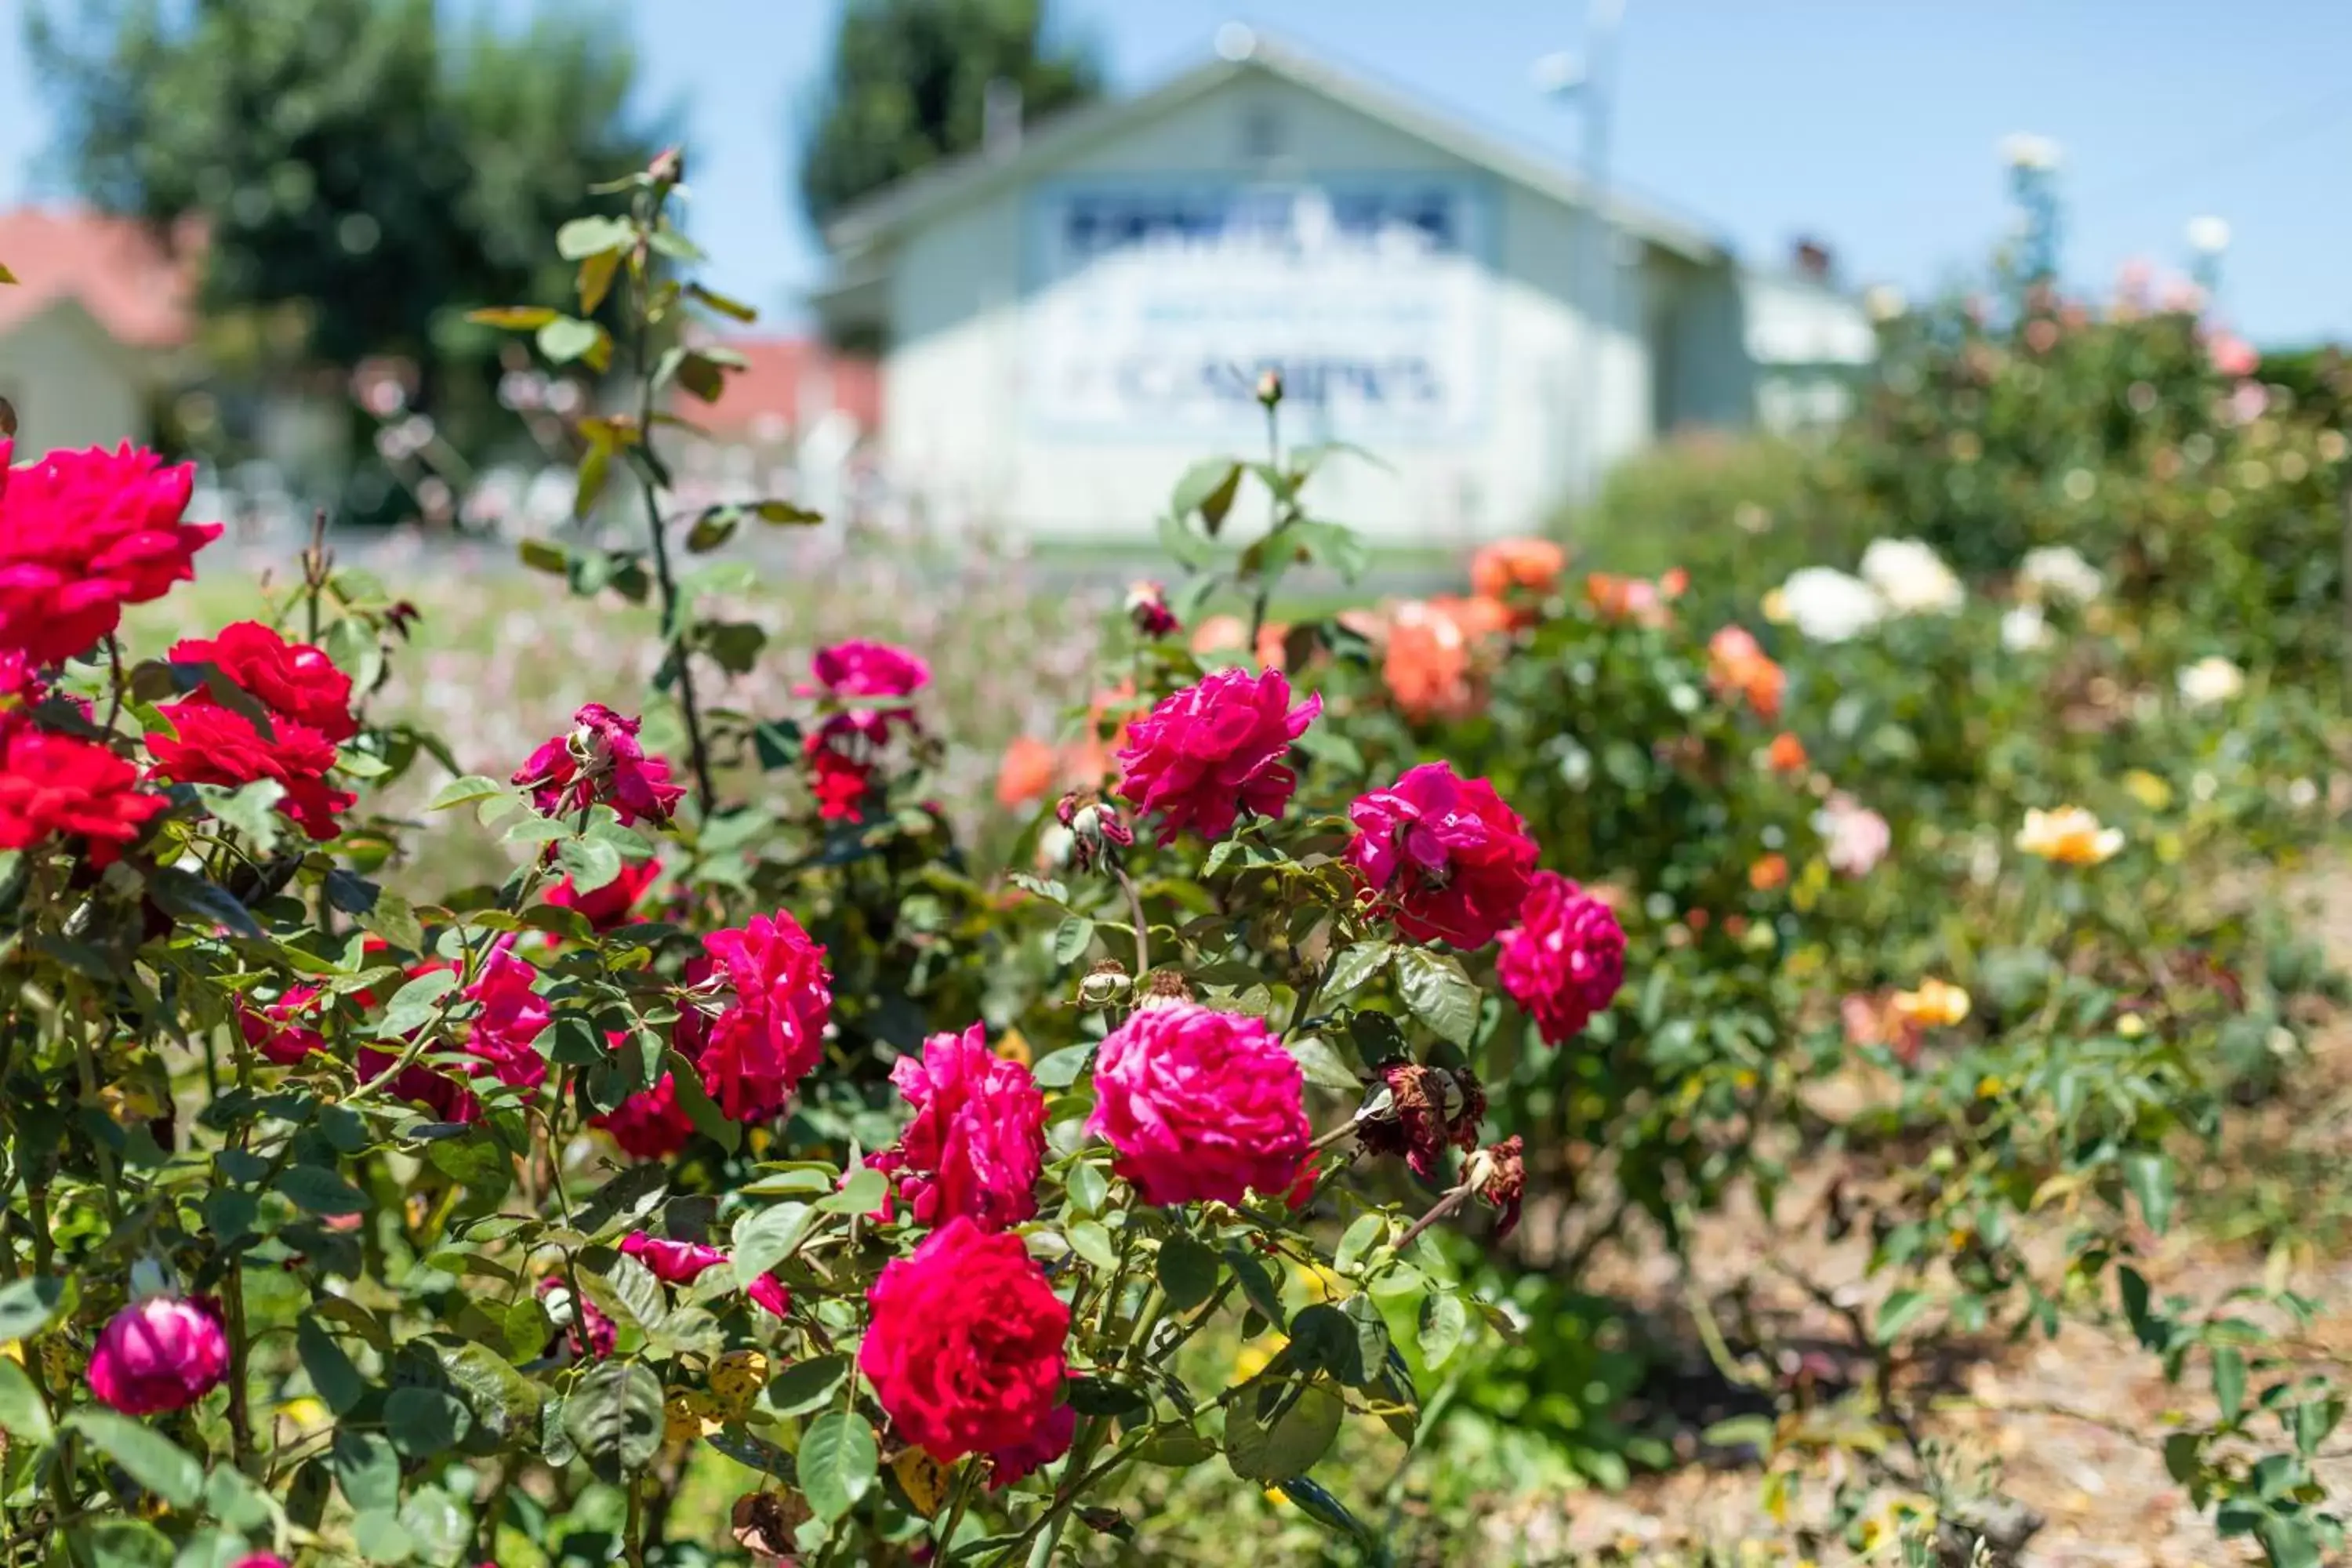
(1590,78)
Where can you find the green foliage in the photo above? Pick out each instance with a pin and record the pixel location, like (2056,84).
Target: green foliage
(907,85)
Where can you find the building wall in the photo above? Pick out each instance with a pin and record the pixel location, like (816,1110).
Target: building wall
(71,384)
(961,426)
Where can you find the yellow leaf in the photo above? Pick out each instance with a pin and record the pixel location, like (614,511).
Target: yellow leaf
(924,1479)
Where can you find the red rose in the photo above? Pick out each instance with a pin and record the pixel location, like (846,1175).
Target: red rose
(598,759)
(1214,750)
(774,999)
(294,681)
(608,907)
(57,783)
(1565,959)
(83,535)
(217,745)
(284,1031)
(513,1012)
(1454,859)
(977,1140)
(965,1349)
(839,783)
(859,668)
(649,1124)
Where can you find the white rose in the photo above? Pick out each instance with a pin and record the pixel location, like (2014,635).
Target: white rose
(1830,605)
(2022,629)
(2059,572)
(1912,578)
(2210,681)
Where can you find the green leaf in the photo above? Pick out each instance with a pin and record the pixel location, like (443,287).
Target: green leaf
(146,1456)
(838,1463)
(807,1385)
(1090,1241)
(1898,1312)
(472,787)
(686,1083)
(1444,1321)
(1208,487)
(1089,1187)
(504,1402)
(1278,1426)
(1059,1070)
(1439,992)
(2229,1380)
(2149,1177)
(119,1543)
(31,1304)
(237,1500)
(23,1411)
(585,237)
(200,901)
(1359,1239)
(591,862)
(381,1537)
(249,808)
(422,1421)
(764,1235)
(317,1190)
(1319,1060)
(627,1290)
(1188,1272)
(513,317)
(1257,1285)
(1320,1505)
(434,1522)
(413,1004)
(332,1372)
(614,1416)
(863,1193)
(1179,1447)
(1355,965)
(1072,938)
(567,338)
(366,1469)
(1350,1341)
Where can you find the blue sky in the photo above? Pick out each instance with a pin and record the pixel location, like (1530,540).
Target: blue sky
(1871,123)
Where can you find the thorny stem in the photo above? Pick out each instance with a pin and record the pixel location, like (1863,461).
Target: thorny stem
(673,628)
(314,574)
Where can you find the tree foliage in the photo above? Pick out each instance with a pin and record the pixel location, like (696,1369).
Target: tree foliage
(908,84)
(365,161)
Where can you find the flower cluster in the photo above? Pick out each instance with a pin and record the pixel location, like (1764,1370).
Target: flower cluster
(82,534)
(843,748)
(599,761)
(287,734)
(977,1143)
(772,998)
(1565,959)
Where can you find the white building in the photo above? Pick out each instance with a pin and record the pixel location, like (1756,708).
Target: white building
(90,330)
(1069,321)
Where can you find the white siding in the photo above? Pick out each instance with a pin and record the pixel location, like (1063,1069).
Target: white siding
(72,385)
(955,430)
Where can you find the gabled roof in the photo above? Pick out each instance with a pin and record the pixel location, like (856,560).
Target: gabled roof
(113,267)
(894,207)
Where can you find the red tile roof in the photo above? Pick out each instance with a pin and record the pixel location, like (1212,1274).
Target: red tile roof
(115,267)
(778,372)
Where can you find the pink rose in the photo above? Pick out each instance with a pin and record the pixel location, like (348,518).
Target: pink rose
(1214,750)
(977,1140)
(672,1262)
(598,759)
(614,905)
(162,1354)
(1451,856)
(1565,959)
(1200,1105)
(1854,837)
(858,668)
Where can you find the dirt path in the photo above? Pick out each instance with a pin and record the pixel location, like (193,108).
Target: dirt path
(2105,1495)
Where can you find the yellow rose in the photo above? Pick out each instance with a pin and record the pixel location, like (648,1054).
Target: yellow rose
(2069,835)
(1938,1004)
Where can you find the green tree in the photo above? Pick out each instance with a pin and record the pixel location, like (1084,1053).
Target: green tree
(908,86)
(362,170)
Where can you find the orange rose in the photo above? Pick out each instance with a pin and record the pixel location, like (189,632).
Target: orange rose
(1770,872)
(1227,634)
(1426,665)
(1787,754)
(1635,599)
(1026,772)
(1510,567)
(1737,666)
